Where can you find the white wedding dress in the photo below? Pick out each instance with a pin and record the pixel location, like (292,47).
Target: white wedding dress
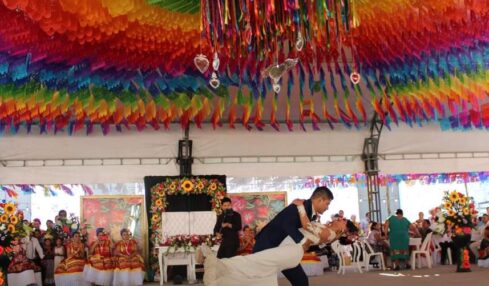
(257,269)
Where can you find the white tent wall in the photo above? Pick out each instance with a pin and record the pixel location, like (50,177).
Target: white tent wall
(129,156)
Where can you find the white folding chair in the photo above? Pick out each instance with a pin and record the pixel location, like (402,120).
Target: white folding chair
(424,249)
(368,253)
(437,252)
(343,253)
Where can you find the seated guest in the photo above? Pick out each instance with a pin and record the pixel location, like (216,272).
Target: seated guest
(246,241)
(484,249)
(475,245)
(419,221)
(21,271)
(378,241)
(425,229)
(100,267)
(70,270)
(129,265)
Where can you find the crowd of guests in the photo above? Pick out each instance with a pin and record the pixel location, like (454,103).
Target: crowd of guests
(50,257)
(393,238)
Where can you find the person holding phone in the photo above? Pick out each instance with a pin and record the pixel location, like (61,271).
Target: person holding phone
(227,228)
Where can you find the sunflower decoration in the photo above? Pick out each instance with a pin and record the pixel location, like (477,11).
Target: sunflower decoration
(14,220)
(159,203)
(11,228)
(200,185)
(451,213)
(213,187)
(155,218)
(9,208)
(458,213)
(4,218)
(462,201)
(187,186)
(447,205)
(454,197)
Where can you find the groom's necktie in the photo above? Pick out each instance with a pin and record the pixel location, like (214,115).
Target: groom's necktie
(315,218)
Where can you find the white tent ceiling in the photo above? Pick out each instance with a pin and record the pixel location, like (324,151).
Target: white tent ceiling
(129,156)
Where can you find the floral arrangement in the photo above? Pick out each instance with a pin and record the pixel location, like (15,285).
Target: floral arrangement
(180,186)
(183,186)
(11,224)
(66,227)
(188,242)
(458,213)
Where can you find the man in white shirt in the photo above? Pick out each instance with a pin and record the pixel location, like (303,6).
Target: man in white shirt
(474,246)
(33,246)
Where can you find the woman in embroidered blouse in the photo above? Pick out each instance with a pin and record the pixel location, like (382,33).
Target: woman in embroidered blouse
(129,264)
(100,267)
(69,271)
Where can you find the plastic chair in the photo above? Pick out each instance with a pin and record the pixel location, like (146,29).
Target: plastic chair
(368,253)
(437,252)
(342,254)
(424,249)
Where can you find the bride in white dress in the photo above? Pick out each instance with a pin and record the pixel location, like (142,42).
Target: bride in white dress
(261,268)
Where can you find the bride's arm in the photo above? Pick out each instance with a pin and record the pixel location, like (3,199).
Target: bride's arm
(302,213)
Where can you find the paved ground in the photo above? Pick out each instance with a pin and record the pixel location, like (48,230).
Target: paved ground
(439,275)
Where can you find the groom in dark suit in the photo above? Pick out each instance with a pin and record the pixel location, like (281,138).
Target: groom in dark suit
(287,223)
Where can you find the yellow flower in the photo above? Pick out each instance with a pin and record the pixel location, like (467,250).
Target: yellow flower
(451,213)
(462,201)
(466,211)
(173,186)
(4,218)
(453,197)
(213,187)
(11,228)
(448,205)
(158,202)
(200,186)
(155,218)
(187,186)
(9,208)
(14,219)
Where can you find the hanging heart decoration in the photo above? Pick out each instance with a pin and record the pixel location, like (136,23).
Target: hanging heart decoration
(276,87)
(215,62)
(214,81)
(299,44)
(355,77)
(201,62)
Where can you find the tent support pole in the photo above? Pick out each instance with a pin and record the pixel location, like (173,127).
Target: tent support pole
(370,157)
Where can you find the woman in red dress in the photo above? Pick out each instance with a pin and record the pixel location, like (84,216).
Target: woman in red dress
(247,241)
(100,267)
(69,272)
(129,264)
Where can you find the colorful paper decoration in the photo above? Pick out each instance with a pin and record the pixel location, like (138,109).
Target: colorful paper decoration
(75,64)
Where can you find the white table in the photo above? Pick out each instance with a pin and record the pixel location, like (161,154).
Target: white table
(179,257)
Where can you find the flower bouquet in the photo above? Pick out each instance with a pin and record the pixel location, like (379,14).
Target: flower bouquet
(188,243)
(458,214)
(66,227)
(11,226)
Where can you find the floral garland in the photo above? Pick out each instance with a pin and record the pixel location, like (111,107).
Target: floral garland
(458,213)
(181,186)
(188,242)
